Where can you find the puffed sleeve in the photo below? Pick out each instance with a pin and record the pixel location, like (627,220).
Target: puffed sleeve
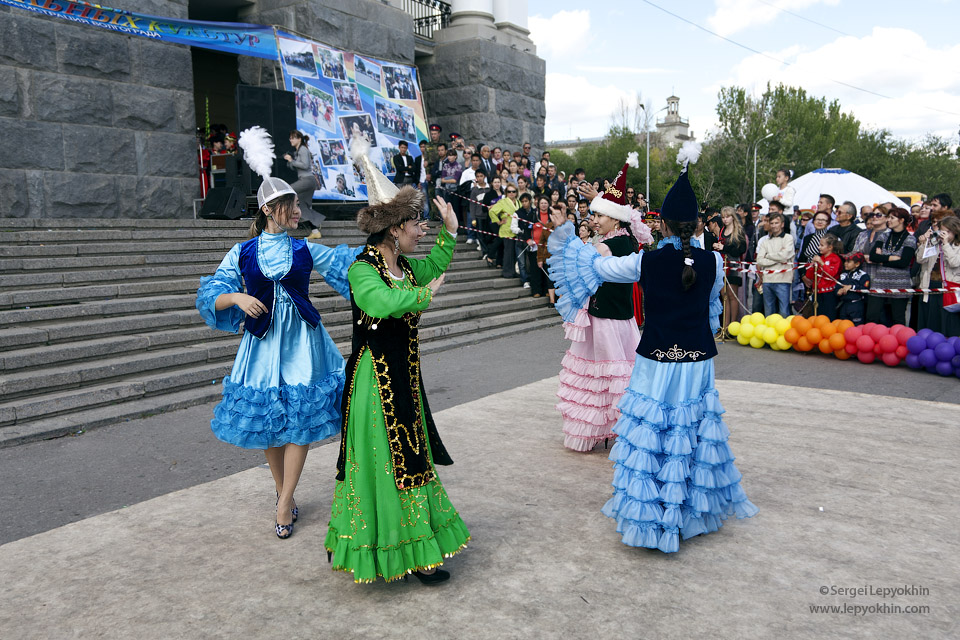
(430,268)
(227,279)
(716,305)
(578,270)
(332,263)
(379,300)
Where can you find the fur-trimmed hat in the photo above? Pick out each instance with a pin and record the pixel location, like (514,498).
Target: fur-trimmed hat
(389,205)
(612,202)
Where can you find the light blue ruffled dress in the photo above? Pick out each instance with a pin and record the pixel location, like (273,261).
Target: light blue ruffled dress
(674,473)
(287,386)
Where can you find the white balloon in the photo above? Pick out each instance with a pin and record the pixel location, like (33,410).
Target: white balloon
(769,191)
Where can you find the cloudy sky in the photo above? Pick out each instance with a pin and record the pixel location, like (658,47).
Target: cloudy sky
(894,65)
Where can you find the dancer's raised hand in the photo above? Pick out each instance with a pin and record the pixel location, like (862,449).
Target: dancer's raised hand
(448,214)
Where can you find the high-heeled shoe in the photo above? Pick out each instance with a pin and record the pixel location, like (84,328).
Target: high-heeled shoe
(284,531)
(430,579)
(329,557)
(295,512)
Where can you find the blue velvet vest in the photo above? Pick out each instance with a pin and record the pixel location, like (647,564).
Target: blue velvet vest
(676,322)
(296,282)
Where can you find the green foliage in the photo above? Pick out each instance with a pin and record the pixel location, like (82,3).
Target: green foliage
(805,128)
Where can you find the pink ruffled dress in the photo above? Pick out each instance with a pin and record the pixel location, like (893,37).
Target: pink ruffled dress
(597,367)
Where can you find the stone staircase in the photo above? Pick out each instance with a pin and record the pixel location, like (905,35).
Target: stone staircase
(98,324)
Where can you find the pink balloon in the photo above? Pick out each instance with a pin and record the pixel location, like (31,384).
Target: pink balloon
(890,359)
(852,334)
(902,351)
(905,334)
(895,328)
(867,327)
(888,344)
(878,332)
(866,357)
(851,348)
(876,349)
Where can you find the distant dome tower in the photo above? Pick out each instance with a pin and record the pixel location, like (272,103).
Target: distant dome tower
(673,129)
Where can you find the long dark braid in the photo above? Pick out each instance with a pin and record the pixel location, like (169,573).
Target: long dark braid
(685,231)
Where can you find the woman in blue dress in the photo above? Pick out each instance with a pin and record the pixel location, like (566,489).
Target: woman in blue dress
(285,388)
(673,469)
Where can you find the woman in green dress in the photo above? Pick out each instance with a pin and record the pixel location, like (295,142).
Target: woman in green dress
(390,515)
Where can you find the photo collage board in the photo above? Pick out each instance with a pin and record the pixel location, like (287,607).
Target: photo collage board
(339,95)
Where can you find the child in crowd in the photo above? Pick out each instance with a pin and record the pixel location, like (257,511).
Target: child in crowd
(850,304)
(828,263)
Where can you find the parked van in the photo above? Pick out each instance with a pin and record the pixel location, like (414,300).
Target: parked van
(910,197)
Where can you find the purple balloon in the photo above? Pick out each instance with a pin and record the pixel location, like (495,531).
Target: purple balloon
(916,344)
(912,360)
(952,341)
(955,361)
(944,352)
(945,368)
(928,358)
(923,333)
(934,339)
(931,369)
(956,346)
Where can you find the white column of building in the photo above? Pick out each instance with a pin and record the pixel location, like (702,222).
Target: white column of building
(510,17)
(469,19)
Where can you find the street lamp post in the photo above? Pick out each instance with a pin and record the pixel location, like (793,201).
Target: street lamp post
(769,135)
(646,126)
(825,157)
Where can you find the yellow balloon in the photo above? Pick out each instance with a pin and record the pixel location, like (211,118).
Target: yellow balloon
(734,329)
(773,345)
(782,343)
(746,330)
(756,342)
(783,326)
(757,318)
(742,339)
(770,335)
(773,319)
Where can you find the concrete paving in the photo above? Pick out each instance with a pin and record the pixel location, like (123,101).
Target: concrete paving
(854,491)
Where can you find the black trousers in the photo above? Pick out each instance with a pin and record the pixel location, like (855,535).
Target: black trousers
(886,311)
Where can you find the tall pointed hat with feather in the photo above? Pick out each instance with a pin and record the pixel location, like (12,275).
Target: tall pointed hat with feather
(680,204)
(389,204)
(258,153)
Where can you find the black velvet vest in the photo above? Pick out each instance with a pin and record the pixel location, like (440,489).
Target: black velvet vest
(614,300)
(394,345)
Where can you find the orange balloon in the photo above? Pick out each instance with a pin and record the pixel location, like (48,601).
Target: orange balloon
(842,354)
(820,321)
(825,346)
(791,336)
(844,325)
(801,324)
(803,344)
(837,341)
(795,319)
(814,336)
(828,330)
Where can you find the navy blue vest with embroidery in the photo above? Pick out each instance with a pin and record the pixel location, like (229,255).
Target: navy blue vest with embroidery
(295,282)
(676,326)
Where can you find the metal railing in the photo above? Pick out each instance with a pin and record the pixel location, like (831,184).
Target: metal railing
(428,15)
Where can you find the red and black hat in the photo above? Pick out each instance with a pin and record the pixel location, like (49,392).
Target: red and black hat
(436,127)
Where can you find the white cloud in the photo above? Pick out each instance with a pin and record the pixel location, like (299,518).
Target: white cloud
(565,33)
(732,16)
(578,108)
(622,70)
(893,62)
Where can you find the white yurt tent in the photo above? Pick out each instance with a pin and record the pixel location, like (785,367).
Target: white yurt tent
(843,185)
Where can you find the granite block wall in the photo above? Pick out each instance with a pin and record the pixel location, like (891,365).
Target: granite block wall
(94,123)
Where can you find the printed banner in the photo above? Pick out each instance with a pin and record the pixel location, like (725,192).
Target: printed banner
(340,95)
(243,39)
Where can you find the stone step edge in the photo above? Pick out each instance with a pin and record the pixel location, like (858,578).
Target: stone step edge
(82,421)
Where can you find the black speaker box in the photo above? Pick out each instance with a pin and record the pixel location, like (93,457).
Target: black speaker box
(223,203)
(275,111)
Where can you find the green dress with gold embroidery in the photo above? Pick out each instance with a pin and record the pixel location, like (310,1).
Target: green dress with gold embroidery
(390,513)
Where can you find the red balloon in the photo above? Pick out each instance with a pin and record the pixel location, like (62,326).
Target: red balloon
(878,332)
(888,343)
(890,359)
(905,334)
(865,343)
(901,351)
(866,357)
(876,349)
(851,348)
(867,327)
(852,334)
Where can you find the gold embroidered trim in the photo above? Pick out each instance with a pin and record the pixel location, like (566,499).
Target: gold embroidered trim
(675,353)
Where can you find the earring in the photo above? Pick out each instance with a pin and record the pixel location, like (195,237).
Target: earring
(396,245)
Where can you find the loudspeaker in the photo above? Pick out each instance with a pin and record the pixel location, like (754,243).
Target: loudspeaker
(275,111)
(223,203)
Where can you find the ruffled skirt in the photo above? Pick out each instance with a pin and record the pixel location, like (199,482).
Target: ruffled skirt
(595,372)
(284,388)
(674,473)
(376,529)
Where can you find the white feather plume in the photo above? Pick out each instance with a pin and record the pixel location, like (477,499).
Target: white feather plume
(633,159)
(359,148)
(689,153)
(257,148)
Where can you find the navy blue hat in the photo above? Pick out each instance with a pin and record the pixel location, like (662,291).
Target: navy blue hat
(680,205)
